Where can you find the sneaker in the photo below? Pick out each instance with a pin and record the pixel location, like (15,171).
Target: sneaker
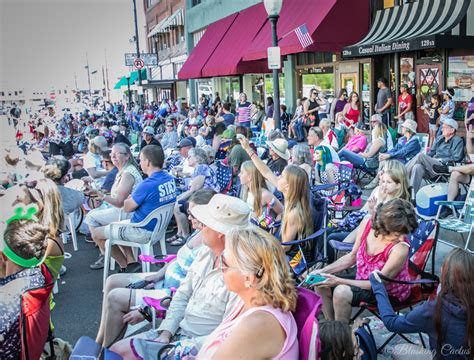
(62,270)
(446,212)
(89,239)
(440,169)
(99,264)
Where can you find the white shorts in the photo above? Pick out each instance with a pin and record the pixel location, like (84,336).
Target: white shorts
(104,216)
(127,233)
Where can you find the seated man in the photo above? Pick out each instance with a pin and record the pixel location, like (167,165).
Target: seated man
(202,301)
(447,147)
(149,137)
(156,190)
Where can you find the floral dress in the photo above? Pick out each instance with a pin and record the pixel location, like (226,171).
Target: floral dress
(11,289)
(210,180)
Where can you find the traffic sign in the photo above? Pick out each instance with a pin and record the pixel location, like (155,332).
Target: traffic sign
(150,59)
(139,63)
(274,58)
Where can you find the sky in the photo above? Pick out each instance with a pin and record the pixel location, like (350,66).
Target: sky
(44,42)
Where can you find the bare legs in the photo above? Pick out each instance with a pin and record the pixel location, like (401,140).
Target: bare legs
(123,255)
(454,181)
(337,303)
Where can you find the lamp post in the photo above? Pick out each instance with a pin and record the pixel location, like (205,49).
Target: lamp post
(140,96)
(129,93)
(273,8)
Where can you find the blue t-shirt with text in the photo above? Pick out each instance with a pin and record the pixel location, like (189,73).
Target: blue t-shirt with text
(157,190)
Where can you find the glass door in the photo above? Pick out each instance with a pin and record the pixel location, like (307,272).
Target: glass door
(428,82)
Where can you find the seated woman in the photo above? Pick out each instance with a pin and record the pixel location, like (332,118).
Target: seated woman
(56,169)
(447,319)
(23,248)
(45,195)
(297,220)
(326,171)
(203,177)
(370,157)
(381,244)
(393,185)
(255,268)
(330,137)
(302,157)
(116,308)
(126,181)
(92,160)
(357,142)
(265,207)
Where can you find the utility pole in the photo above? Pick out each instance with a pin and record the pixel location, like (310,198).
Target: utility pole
(75,80)
(103,82)
(140,96)
(107,76)
(89,77)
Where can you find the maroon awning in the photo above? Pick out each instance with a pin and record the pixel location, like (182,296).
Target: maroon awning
(204,49)
(332,24)
(226,60)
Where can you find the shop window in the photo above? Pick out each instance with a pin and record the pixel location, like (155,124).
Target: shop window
(321,78)
(461,79)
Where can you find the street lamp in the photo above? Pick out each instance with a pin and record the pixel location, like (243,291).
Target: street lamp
(273,8)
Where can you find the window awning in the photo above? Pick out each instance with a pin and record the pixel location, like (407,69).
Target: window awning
(326,21)
(133,78)
(177,19)
(412,26)
(226,60)
(205,48)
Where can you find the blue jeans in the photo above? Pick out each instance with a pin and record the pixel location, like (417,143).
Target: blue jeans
(299,129)
(353,158)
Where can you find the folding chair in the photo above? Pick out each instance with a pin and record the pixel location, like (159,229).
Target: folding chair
(422,243)
(423,138)
(464,223)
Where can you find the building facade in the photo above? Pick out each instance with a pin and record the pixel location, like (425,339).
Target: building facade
(166,38)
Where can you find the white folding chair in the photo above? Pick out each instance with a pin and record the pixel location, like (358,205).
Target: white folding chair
(73,221)
(162,215)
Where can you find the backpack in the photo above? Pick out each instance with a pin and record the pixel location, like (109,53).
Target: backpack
(366,342)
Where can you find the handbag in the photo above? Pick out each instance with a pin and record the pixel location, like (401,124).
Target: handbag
(309,120)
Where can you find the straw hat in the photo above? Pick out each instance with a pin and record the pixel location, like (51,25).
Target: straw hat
(280,146)
(223,213)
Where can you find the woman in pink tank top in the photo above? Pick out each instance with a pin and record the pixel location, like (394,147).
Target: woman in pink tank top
(261,325)
(381,244)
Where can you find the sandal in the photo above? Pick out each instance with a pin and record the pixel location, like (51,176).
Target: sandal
(179,241)
(173,238)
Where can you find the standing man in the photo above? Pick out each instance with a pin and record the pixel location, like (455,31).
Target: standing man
(228,118)
(384,101)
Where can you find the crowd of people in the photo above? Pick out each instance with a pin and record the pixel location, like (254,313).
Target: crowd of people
(242,192)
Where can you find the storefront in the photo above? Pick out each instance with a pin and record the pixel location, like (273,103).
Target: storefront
(408,45)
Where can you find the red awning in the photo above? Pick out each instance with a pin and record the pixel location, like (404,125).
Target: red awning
(333,24)
(204,49)
(227,58)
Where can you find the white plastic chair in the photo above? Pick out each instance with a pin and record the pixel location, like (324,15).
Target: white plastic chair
(162,215)
(71,225)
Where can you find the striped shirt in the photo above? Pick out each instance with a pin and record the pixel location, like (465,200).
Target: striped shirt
(243,111)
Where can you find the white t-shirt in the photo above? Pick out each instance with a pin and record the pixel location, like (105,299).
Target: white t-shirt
(92,160)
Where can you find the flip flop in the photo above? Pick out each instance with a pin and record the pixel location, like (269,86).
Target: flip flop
(173,238)
(179,241)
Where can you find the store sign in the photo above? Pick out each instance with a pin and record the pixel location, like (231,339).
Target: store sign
(148,59)
(390,47)
(274,58)
(321,70)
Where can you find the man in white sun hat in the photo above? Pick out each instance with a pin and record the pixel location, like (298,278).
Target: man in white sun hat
(202,301)
(407,147)
(279,155)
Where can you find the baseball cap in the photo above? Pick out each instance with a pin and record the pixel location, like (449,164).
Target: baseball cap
(451,122)
(101,143)
(186,142)
(149,130)
(115,128)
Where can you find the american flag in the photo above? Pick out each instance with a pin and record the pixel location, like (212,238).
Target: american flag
(303,35)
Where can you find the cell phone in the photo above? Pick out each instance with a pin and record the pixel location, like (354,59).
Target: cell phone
(315,279)
(138,284)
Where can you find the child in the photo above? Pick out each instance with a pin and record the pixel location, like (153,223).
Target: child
(433,113)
